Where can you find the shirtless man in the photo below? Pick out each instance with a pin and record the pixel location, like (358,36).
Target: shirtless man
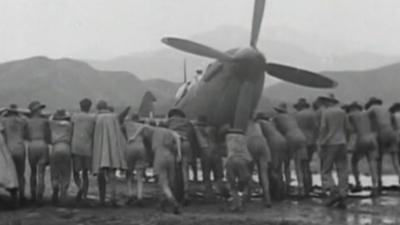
(366,144)
(279,149)
(82,146)
(388,141)
(297,144)
(167,153)
(261,156)
(136,156)
(15,128)
(308,123)
(38,151)
(178,122)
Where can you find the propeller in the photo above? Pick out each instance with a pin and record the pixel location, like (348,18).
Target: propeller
(299,76)
(258,14)
(196,48)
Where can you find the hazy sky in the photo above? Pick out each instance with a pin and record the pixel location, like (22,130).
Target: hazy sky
(102,29)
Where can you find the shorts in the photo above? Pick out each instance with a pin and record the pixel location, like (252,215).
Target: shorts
(136,156)
(81,163)
(259,148)
(297,146)
(38,152)
(388,140)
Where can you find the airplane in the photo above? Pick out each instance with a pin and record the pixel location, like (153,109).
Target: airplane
(231,87)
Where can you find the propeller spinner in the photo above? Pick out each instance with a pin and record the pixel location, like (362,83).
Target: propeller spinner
(283,72)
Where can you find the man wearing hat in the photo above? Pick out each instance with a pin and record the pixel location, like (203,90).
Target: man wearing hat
(108,149)
(38,135)
(178,122)
(308,123)
(15,129)
(388,140)
(60,155)
(279,149)
(365,144)
(82,146)
(333,132)
(297,144)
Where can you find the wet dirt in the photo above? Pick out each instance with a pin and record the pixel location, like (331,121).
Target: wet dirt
(361,210)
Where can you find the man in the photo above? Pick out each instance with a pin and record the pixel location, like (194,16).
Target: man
(108,149)
(178,122)
(211,157)
(238,167)
(261,157)
(279,150)
(82,146)
(136,155)
(15,130)
(166,147)
(60,156)
(388,140)
(297,144)
(365,144)
(332,140)
(307,120)
(38,151)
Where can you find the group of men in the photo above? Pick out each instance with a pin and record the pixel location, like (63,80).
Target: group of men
(105,143)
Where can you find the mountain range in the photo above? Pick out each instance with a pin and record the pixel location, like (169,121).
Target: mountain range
(279,45)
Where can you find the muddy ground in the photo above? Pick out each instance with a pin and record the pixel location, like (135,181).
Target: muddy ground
(361,210)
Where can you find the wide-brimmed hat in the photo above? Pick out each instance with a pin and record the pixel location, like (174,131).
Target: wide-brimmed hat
(301,103)
(61,114)
(13,108)
(199,71)
(36,105)
(373,101)
(176,112)
(282,107)
(354,105)
(395,107)
(328,98)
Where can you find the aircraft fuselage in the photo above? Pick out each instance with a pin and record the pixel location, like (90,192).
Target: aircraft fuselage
(228,92)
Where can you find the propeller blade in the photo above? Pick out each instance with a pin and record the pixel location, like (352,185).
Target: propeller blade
(258,14)
(196,48)
(299,76)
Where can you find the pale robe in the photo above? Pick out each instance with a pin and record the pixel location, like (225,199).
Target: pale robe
(8,173)
(108,144)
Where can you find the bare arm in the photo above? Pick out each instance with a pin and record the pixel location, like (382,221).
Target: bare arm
(123,114)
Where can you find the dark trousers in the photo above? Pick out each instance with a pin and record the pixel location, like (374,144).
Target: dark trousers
(334,156)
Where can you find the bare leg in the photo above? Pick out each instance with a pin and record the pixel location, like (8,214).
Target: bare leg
(379,166)
(299,164)
(396,166)
(113,186)
(264,180)
(356,173)
(40,185)
(78,183)
(185,176)
(139,181)
(129,179)
(372,162)
(101,180)
(287,176)
(163,180)
(33,183)
(85,184)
